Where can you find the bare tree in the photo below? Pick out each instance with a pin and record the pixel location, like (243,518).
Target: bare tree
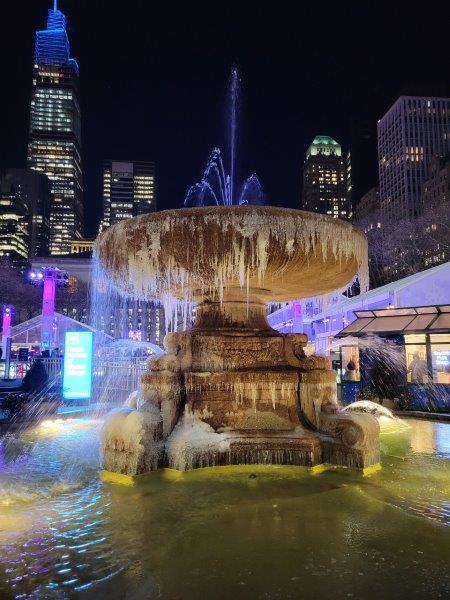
(15,290)
(401,248)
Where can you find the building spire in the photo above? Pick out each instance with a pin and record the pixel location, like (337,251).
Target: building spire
(55,5)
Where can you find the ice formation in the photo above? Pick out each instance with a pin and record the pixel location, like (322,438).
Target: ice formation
(193,443)
(225,247)
(231,390)
(131,441)
(132,400)
(373,408)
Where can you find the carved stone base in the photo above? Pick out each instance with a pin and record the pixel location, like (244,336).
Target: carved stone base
(259,450)
(234,391)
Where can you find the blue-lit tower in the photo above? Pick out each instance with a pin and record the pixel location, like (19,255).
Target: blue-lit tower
(54,146)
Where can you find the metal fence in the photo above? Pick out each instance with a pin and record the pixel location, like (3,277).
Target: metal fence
(111,379)
(117,376)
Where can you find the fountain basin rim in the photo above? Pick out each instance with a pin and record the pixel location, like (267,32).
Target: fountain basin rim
(281,211)
(194,253)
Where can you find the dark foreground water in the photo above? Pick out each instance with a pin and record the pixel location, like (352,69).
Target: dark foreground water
(265,533)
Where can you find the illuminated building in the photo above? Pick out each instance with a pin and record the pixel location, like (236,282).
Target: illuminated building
(326,182)
(368,219)
(412,131)
(435,201)
(436,189)
(34,191)
(81,246)
(144,319)
(368,205)
(348,167)
(54,146)
(128,190)
(13,223)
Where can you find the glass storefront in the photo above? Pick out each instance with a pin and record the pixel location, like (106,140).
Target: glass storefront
(399,353)
(416,359)
(440,357)
(350,363)
(427,359)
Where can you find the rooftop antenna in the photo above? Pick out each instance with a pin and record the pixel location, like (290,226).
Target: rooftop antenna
(55,5)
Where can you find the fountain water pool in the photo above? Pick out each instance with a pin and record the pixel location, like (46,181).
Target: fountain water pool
(242,532)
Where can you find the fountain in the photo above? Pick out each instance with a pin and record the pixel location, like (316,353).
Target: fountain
(217,187)
(231,390)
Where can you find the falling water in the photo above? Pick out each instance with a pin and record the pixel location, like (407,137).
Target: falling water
(119,363)
(216,186)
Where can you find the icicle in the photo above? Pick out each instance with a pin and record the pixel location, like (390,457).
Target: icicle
(139,261)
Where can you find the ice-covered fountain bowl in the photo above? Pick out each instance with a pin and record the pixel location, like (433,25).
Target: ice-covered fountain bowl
(191,253)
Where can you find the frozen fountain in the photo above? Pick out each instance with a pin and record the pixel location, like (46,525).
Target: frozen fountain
(231,390)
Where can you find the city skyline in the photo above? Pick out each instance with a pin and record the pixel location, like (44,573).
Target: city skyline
(170,111)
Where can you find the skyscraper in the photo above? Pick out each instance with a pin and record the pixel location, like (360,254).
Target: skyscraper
(325,174)
(13,222)
(54,146)
(33,191)
(368,205)
(128,190)
(413,130)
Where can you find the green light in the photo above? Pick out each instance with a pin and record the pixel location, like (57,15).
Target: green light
(324,144)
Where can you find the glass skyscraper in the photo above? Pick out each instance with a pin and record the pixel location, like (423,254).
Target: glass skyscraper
(54,146)
(128,190)
(413,130)
(33,191)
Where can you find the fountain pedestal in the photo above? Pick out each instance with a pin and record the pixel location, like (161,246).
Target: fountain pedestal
(255,389)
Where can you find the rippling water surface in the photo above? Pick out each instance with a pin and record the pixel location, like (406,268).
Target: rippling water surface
(244,532)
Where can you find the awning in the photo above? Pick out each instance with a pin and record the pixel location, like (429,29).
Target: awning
(418,319)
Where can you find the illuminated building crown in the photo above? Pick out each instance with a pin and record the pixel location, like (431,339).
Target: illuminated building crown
(52,44)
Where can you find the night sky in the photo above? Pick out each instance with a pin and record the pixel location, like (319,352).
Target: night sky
(154,75)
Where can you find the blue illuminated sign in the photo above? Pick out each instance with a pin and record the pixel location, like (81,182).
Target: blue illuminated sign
(78,351)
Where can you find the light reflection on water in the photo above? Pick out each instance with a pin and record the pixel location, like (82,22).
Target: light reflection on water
(54,530)
(211,532)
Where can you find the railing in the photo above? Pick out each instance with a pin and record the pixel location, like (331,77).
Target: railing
(111,379)
(52,365)
(118,375)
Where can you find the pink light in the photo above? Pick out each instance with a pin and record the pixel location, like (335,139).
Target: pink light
(297,310)
(48,299)
(6,324)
